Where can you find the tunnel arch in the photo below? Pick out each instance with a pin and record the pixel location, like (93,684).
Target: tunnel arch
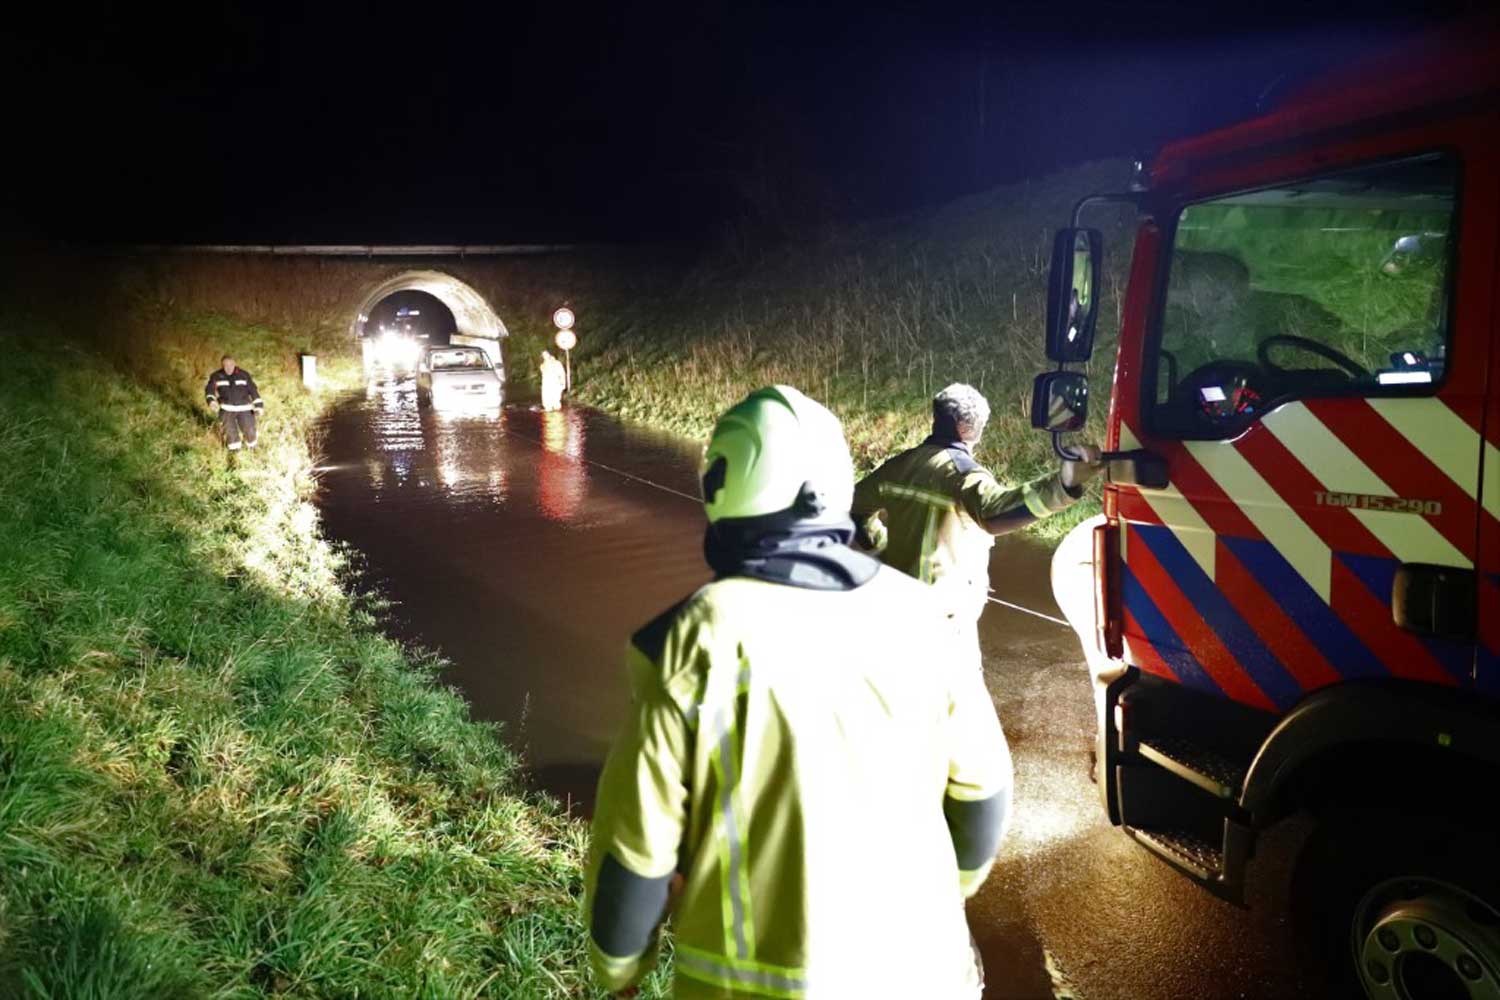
(473,316)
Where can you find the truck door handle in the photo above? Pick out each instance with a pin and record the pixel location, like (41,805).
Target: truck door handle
(1435,600)
(1136,468)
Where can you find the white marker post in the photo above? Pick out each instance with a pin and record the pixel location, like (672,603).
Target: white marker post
(565,340)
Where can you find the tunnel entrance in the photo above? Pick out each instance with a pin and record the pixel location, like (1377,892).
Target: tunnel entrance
(412,314)
(464,317)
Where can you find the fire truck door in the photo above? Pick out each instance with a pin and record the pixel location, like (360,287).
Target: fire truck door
(1316,380)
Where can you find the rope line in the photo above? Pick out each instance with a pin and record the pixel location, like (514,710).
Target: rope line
(607,468)
(1028,611)
(689,497)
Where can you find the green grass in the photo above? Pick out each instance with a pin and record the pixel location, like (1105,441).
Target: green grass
(1314,272)
(871,321)
(217,778)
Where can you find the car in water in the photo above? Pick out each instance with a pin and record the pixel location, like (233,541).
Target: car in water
(458,376)
(394,349)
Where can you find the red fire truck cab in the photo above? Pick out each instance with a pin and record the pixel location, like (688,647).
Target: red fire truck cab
(1298,573)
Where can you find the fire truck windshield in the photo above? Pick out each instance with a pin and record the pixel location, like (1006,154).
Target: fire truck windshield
(1327,286)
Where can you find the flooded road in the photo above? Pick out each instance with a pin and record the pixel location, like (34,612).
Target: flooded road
(527,546)
(526,566)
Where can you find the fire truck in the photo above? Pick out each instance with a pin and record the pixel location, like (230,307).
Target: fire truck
(1298,568)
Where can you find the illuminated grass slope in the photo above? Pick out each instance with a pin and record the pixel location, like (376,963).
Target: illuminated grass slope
(217,779)
(875,318)
(872,320)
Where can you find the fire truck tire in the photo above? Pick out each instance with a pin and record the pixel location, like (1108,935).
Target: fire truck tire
(1393,907)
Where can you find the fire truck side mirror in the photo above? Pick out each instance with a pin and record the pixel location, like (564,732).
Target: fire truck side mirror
(1072,294)
(1060,401)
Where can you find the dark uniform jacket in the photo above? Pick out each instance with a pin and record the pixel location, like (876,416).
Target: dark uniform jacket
(235,393)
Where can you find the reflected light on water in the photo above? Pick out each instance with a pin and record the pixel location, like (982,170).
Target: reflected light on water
(468,445)
(400,425)
(564,432)
(464,452)
(561,486)
(562,480)
(500,533)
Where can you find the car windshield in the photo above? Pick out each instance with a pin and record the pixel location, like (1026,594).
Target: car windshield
(1333,285)
(458,359)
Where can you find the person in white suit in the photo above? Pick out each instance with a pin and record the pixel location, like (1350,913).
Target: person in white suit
(553,381)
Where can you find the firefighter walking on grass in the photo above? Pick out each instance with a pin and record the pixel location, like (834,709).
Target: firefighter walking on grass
(933,511)
(812,777)
(232,392)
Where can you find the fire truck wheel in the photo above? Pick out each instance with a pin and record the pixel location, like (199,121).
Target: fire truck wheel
(1400,908)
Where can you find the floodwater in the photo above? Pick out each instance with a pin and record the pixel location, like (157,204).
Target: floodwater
(503,546)
(527,546)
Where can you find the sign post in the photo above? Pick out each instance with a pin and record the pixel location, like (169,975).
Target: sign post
(566,340)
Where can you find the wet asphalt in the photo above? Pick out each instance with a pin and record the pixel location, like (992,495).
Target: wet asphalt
(527,546)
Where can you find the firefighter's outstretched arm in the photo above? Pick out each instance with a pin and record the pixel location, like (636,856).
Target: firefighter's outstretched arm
(1002,509)
(869,529)
(977,805)
(211,391)
(638,826)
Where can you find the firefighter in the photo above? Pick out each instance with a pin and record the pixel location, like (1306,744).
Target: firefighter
(554,380)
(933,511)
(231,391)
(812,777)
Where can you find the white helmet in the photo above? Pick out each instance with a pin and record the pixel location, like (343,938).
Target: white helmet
(778,452)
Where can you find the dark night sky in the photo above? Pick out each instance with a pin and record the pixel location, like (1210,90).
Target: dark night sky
(232,122)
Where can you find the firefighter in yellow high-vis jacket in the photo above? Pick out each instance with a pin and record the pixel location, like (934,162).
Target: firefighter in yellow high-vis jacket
(933,511)
(812,777)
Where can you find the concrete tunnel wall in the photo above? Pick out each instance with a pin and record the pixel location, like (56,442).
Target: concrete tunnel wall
(495,298)
(475,320)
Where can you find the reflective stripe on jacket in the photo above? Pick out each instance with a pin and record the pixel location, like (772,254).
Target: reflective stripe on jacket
(814,764)
(942,513)
(236,393)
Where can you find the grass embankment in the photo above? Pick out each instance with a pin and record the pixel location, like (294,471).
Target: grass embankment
(217,778)
(872,321)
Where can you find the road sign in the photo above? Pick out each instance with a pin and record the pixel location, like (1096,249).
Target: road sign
(565,340)
(563,318)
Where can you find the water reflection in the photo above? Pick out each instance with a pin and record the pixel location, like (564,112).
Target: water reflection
(466,449)
(515,542)
(400,427)
(563,432)
(562,478)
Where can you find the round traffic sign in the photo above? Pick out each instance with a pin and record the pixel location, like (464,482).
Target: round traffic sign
(563,318)
(566,340)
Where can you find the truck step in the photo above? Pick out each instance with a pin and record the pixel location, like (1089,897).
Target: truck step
(1214,772)
(1188,851)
